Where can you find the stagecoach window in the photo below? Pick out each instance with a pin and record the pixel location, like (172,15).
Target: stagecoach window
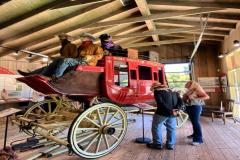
(155,76)
(133,74)
(145,73)
(121,73)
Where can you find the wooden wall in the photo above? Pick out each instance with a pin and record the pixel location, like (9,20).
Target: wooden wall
(206,65)
(205,61)
(13,65)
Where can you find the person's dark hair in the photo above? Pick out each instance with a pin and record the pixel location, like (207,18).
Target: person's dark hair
(104,37)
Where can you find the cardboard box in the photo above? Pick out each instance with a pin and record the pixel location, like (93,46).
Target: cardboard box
(132,53)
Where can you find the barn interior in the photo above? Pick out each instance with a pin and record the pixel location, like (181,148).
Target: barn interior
(194,40)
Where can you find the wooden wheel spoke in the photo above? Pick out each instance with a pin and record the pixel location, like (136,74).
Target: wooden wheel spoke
(92,122)
(98,143)
(42,109)
(87,129)
(106,141)
(114,137)
(49,107)
(115,122)
(109,120)
(106,115)
(90,135)
(91,142)
(99,117)
(37,115)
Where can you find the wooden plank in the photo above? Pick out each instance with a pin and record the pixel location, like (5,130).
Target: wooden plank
(224,5)
(155,17)
(159,43)
(57,21)
(79,2)
(189,35)
(31,13)
(216,135)
(143,7)
(157,32)
(102,16)
(195,23)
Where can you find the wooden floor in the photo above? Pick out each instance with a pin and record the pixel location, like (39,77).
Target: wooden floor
(221,142)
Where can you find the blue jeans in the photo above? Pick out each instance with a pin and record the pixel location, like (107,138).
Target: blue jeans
(157,124)
(194,113)
(58,67)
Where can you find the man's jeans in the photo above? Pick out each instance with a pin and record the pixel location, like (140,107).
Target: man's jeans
(194,113)
(157,124)
(58,67)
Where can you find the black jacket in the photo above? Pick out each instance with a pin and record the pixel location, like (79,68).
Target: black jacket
(167,100)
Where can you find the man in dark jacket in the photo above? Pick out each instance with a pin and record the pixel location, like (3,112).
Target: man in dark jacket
(168,103)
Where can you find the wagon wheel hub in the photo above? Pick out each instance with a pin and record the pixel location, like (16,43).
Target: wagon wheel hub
(107,130)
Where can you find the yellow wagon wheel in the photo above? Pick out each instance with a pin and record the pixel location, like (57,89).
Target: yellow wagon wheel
(181,118)
(46,112)
(98,130)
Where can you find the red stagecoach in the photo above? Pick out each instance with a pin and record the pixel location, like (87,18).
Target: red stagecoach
(96,131)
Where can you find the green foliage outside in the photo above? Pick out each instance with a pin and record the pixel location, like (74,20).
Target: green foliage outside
(178,76)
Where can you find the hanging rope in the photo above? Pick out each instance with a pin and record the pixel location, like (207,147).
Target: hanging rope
(203,27)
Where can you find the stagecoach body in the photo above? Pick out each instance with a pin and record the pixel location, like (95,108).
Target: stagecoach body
(96,131)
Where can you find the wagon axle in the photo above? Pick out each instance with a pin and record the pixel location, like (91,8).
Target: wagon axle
(107,130)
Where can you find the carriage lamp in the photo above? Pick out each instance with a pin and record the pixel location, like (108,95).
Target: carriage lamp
(236,43)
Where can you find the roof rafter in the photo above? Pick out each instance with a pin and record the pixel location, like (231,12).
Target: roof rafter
(164,42)
(196,4)
(143,7)
(194,23)
(154,17)
(59,20)
(32,13)
(51,35)
(157,32)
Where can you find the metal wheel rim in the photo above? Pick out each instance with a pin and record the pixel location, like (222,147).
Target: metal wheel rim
(73,132)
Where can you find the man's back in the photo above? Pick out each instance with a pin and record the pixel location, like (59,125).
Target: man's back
(167,100)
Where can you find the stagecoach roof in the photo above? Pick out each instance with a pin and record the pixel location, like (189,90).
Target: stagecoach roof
(141,24)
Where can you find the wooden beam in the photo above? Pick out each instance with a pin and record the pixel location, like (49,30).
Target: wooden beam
(77,26)
(52,23)
(213,16)
(188,35)
(157,32)
(80,2)
(143,7)
(196,4)
(32,13)
(213,32)
(158,43)
(154,17)
(4,1)
(194,23)
(133,40)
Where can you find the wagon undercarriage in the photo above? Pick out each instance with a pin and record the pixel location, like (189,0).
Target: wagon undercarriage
(88,133)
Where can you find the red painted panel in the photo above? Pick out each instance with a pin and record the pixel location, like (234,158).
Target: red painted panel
(5,71)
